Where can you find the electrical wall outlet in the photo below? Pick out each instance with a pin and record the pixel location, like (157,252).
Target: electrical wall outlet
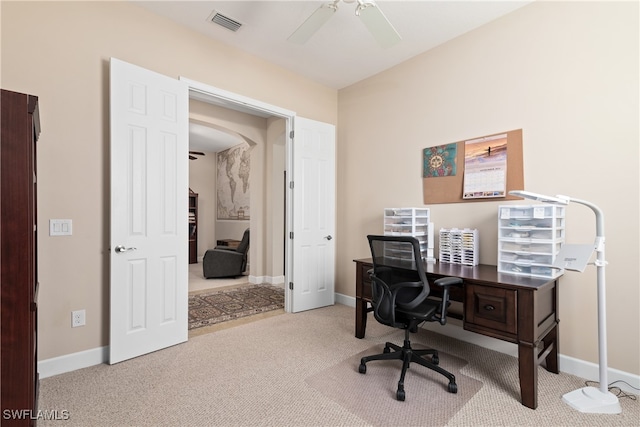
(77,318)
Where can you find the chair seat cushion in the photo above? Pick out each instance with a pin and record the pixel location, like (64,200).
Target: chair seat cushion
(424,311)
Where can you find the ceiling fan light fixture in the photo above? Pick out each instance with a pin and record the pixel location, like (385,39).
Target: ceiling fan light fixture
(367,10)
(377,23)
(362,4)
(313,23)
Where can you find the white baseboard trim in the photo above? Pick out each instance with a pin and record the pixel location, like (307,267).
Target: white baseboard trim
(345,300)
(272,280)
(74,361)
(591,372)
(569,365)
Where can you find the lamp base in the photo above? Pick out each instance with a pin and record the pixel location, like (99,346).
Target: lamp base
(592,400)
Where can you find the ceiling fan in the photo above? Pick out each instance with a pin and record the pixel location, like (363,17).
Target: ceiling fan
(368,11)
(193,154)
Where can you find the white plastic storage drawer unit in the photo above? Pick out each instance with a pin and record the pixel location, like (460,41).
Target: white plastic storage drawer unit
(529,239)
(408,222)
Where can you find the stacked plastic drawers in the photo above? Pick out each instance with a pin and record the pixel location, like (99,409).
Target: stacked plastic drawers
(407,222)
(529,239)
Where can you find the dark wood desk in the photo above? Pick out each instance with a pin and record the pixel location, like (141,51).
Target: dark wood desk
(517,309)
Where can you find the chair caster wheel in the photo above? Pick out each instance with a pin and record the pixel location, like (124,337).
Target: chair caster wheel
(362,368)
(435,359)
(386,350)
(453,388)
(400,395)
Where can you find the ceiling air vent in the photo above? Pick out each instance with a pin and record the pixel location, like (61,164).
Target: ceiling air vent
(225,21)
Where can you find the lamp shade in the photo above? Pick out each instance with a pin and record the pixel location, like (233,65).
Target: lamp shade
(562,200)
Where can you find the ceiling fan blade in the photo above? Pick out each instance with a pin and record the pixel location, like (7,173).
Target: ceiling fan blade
(313,23)
(198,153)
(378,24)
(191,157)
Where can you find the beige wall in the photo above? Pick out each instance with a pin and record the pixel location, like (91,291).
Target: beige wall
(565,73)
(60,52)
(274,187)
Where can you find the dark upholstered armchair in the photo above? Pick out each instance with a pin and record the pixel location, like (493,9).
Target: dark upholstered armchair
(224,261)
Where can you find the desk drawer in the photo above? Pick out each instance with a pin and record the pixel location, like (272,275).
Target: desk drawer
(491,307)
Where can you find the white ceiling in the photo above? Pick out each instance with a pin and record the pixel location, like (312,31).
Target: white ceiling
(342,52)
(208,139)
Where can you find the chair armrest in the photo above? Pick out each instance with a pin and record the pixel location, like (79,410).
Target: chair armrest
(225,248)
(394,288)
(226,255)
(384,301)
(448,281)
(416,301)
(380,270)
(445,283)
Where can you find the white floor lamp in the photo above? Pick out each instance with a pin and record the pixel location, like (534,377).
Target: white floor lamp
(589,399)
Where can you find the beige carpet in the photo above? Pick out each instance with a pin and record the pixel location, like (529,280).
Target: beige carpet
(256,375)
(372,396)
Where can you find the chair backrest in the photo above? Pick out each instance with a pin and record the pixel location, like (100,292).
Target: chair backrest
(404,255)
(243,246)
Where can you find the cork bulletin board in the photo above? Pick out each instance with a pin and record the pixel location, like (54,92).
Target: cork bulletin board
(449,188)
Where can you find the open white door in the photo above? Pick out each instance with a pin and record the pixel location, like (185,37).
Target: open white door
(314,213)
(149,200)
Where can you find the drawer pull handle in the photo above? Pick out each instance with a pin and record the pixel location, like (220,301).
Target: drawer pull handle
(489,307)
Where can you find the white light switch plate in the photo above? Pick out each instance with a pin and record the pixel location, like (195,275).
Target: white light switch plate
(60,227)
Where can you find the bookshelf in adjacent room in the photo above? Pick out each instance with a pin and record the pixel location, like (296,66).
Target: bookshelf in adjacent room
(193,227)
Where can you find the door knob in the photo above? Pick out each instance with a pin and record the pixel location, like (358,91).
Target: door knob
(328,237)
(120,249)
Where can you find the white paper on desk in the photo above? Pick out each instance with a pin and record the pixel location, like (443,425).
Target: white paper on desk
(574,257)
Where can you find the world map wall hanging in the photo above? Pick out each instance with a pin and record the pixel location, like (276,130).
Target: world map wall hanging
(233,183)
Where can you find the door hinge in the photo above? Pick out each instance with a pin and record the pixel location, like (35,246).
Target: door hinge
(291,185)
(291,234)
(291,285)
(291,134)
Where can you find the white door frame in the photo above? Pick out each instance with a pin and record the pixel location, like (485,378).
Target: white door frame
(223,98)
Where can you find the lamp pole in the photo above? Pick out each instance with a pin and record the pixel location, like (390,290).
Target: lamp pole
(590,399)
(602,306)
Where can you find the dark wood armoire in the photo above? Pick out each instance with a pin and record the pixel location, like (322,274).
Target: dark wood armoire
(20,127)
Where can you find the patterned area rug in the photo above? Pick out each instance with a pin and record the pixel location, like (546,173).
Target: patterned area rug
(217,306)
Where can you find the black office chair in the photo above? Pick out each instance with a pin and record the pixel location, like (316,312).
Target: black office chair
(400,298)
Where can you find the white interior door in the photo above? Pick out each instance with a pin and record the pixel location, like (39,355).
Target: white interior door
(314,213)
(149,200)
